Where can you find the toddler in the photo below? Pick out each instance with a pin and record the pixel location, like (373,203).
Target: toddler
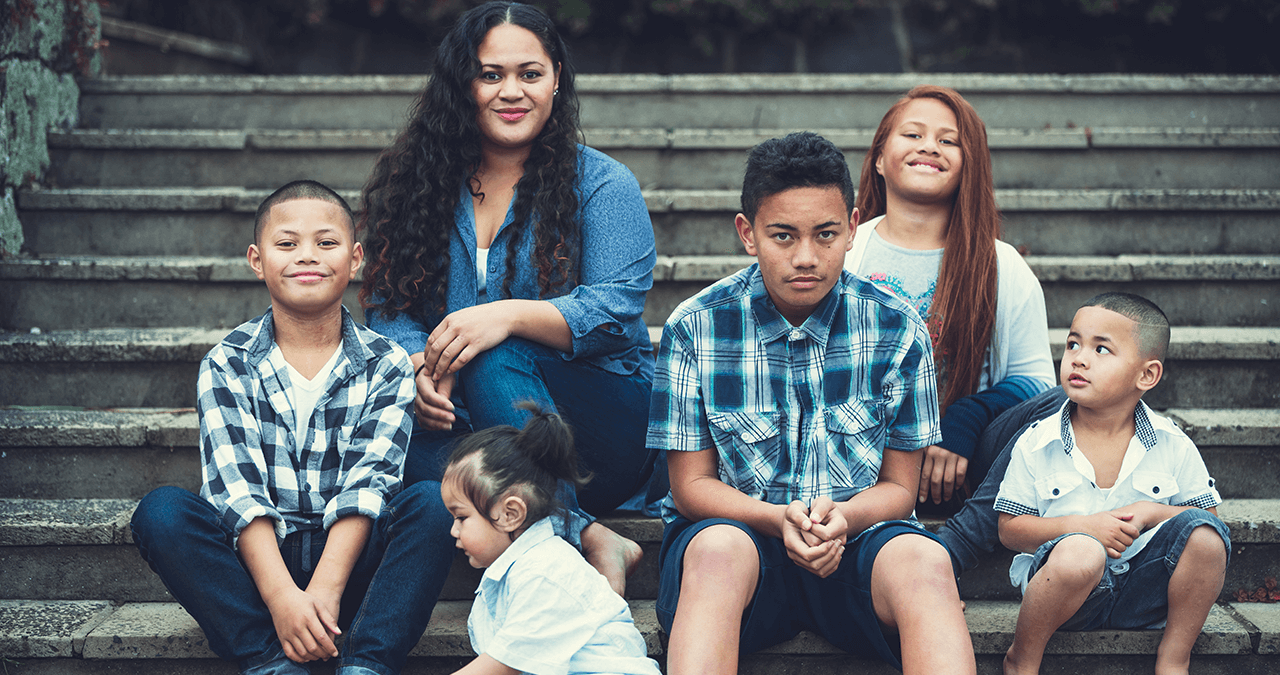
(540,607)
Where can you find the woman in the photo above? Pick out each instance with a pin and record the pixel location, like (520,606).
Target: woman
(929,235)
(513,263)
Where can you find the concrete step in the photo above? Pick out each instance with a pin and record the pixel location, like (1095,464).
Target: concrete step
(82,550)
(1223,367)
(98,637)
(157,221)
(1112,158)
(690,101)
(82,292)
(124,454)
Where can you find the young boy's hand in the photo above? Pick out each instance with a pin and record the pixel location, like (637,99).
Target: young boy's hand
(431,405)
(1113,529)
(804,546)
(304,625)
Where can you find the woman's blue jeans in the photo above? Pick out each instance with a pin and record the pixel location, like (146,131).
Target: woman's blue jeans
(385,606)
(609,414)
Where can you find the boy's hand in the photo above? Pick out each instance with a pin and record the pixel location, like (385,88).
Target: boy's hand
(828,522)
(431,405)
(303,625)
(804,546)
(1113,529)
(1144,515)
(942,474)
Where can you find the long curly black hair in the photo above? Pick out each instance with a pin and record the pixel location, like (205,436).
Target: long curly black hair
(409,200)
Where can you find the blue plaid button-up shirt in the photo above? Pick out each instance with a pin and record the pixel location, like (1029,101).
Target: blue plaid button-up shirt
(794,412)
(348,460)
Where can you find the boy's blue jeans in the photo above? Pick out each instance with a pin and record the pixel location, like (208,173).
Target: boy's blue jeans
(975,528)
(386,604)
(609,414)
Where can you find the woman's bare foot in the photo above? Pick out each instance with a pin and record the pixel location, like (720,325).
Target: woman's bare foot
(612,554)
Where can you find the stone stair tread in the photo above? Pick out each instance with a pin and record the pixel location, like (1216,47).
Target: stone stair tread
(889,83)
(95,630)
(65,522)
(117,345)
(1092,268)
(243,200)
(1266,618)
(38,629)
(676,139)
(47,522)
(52,427)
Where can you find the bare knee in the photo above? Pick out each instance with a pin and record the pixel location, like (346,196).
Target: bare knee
(911,575)
(1076,560)
(1205,547)
(721,555)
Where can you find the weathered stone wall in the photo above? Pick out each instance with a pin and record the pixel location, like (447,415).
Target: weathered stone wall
(44,45)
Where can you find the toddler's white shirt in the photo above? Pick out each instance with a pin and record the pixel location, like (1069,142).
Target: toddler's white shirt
(540,608)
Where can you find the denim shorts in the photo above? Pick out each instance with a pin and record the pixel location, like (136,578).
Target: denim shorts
(1139,597)
(789,599)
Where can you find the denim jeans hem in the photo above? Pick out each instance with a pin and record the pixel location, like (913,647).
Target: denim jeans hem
(354,666)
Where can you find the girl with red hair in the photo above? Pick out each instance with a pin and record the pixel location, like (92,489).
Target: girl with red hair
(929,234)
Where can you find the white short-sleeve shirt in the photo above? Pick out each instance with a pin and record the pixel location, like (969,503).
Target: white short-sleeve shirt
(540,608)
(1048,478)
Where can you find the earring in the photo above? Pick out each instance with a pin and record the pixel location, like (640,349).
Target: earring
(556,92)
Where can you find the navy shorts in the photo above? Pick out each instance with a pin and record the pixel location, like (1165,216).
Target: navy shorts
(1139,597)
(789,599)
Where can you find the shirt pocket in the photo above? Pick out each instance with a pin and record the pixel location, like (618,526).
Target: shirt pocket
(1156,486)
(1057,485)
(856,435)
(749,443)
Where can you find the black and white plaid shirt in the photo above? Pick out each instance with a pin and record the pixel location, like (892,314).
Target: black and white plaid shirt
(348,460)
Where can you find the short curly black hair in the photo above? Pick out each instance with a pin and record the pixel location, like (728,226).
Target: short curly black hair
(801,159)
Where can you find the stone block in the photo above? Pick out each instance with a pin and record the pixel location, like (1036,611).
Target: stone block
(47,629)
(39,522)
(1266,620)
(148,631)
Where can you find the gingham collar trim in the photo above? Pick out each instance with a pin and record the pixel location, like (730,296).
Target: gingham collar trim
(1142,426)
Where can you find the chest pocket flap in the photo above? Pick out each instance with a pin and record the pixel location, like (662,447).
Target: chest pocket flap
(1157,485)
(1058,485)
(746,427)
(853,418)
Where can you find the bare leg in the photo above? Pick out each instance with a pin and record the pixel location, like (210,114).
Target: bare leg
(1193,588)
(719,576)
(913,592)
(612,554)
(1056,592)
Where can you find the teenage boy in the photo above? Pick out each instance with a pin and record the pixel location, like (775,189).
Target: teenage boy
(1110,503)
(301,525)
(790,398)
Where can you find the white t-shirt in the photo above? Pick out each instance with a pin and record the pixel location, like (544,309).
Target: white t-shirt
(306,393)
(540,608)
(482,268)
(1047,478)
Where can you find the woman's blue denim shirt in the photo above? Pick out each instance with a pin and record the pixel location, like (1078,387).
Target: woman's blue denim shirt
(604,311)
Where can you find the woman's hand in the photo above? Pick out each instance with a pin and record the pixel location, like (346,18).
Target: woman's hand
(465,334)
(941,474)
(431,405)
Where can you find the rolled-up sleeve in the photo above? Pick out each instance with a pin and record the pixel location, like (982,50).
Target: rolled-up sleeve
(373,460)
(235,471)
(618,256)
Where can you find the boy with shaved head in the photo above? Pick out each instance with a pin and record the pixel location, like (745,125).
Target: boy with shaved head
(1110,503)
(302,530)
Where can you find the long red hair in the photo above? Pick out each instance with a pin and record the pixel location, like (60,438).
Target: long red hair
(964,300)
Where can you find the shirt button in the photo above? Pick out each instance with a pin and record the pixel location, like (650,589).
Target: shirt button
(796,334)
(1155,489)
(306,487)
(1055,492)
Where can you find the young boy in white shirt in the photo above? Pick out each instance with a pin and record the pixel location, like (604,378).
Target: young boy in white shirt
(1110,503)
